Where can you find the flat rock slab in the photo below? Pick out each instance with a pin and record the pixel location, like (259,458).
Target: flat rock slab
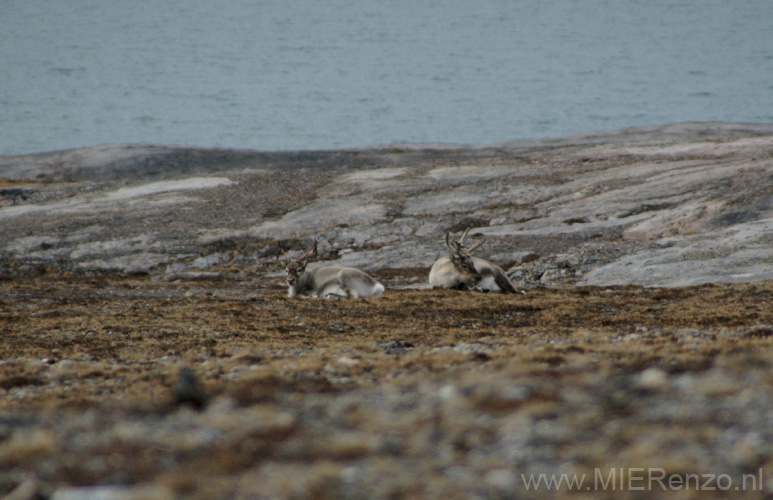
(661,206)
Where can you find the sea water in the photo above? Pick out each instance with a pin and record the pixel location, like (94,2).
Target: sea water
(323,74)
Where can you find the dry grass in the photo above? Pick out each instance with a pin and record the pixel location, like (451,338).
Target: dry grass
(301,376)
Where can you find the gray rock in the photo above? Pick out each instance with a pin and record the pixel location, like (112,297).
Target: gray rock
(658,206)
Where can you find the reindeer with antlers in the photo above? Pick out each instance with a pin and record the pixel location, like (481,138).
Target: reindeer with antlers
(326,280)
(463,271)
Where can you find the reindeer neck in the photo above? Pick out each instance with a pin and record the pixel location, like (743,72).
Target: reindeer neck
(305,282)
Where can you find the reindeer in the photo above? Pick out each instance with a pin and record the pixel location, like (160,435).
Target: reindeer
(463,271)
(326,280)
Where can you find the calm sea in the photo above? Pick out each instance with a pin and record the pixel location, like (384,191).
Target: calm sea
(322,74)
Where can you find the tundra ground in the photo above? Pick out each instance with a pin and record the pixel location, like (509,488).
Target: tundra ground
(416,394)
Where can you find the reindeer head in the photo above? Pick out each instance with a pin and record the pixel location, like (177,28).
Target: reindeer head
(461,257)
(294,268)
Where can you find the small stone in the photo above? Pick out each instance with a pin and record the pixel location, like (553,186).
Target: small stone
(189,391)
(149,492)
(748,450)
(652,379)
(447,392)
(501,479)
(347,361)
(396,346)
(65,364)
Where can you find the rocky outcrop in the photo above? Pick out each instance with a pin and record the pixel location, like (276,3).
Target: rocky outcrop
(660,206)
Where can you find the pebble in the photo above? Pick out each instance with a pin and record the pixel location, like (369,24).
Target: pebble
(501,479)
(447,392)
(65,364)
(747,451)
(652,379)
(145,492)
(347,361)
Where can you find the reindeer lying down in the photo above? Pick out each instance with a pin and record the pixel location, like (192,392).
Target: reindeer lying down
(327,280)
(461,270)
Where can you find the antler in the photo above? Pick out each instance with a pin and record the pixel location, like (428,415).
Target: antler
(482,241)
(283,253)
(451,245)
(313,250)
(456,246)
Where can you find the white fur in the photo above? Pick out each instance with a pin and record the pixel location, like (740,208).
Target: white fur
(487,284)
(333,280)
(444,275)
(464,271)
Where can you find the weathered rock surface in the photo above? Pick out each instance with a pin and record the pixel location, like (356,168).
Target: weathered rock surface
(663,206)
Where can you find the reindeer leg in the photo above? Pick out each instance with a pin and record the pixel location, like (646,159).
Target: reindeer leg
(503,282)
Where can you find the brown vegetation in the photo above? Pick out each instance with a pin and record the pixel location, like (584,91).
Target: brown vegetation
(393,396)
